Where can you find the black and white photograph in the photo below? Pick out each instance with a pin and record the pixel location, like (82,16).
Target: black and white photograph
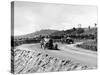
(53,37)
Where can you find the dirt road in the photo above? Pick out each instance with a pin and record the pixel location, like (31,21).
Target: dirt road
(77,55)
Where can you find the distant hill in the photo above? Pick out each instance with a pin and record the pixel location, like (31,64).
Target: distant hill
(43,32)
(84,31)
(38,33)
(90,31)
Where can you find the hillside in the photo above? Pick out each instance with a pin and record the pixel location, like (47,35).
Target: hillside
(90,31)
(37,33)
(83,31)
(31,61)
(43,32)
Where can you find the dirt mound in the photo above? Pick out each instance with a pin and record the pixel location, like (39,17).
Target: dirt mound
(26,61)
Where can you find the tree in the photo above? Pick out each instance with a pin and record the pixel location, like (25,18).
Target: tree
(74,28)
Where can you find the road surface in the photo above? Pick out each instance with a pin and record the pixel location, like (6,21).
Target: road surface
(77,55)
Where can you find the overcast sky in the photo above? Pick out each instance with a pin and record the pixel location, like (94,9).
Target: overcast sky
(31,16)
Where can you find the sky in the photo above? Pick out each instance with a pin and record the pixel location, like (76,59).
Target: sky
(30,17)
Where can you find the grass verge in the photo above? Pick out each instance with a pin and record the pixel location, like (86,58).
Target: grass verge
(89,45)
